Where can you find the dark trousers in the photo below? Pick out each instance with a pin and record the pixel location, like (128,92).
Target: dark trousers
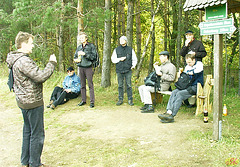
(86,73)
(59,96)
(127,77)
(33,136)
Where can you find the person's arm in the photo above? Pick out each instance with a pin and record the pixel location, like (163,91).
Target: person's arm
(134,59)
(31,70)
(184,51)
(201,52)
(115,59)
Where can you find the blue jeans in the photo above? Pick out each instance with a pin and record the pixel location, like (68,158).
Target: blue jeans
(127,76)
(175,100)
(33,136)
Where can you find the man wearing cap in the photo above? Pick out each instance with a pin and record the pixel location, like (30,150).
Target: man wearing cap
(70,90)
(167,73)
(193,46)
(125,59)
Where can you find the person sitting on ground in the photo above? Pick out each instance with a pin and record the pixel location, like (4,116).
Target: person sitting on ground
(167,72)
(195,71)
(71,89)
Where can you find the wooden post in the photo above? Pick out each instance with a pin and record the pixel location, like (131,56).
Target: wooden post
(218,86)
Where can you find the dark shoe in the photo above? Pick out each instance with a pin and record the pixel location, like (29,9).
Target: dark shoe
(144,107)
(191,106)
(166,116)
(130,102)
(52,106)
(49,105)
(120,102)
(91,105)
(81,103)
(166,121)
(150,109)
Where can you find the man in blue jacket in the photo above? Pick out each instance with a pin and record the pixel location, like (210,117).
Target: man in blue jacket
(70,90)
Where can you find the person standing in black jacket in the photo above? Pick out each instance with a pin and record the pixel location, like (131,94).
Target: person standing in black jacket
(125,59)
(193,46)
(84,56)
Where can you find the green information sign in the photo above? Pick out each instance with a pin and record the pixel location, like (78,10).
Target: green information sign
(216,12)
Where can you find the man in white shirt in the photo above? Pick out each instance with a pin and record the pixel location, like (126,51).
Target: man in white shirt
(125,59)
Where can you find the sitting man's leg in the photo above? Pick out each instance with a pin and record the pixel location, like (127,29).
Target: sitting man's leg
(56,92)
(174,105)
(147,99)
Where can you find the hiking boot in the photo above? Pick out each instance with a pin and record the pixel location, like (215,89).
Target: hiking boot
(144,107)
(167,121)
(149,109)
(49,105)
(130,102)
(166,116)
(52,106)
(120,102)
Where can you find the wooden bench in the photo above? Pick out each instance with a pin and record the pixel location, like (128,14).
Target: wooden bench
(202,98)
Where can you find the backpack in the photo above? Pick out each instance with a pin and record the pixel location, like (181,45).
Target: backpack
(184,81)
(153,80)
(10,76)
(96,62)
(10,79)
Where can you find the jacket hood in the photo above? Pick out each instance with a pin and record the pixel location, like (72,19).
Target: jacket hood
(12,57)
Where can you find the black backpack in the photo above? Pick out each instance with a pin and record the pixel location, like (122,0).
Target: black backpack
(153,80)
(96,62)
(184,81)
(10,76)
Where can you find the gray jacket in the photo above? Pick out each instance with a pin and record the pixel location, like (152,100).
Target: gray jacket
(28,79)
(168,75)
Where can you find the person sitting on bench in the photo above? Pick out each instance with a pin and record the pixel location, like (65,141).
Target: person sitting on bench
(167,72)
(71,89)
(195,70)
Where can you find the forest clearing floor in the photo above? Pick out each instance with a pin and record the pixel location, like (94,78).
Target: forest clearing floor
(168,143)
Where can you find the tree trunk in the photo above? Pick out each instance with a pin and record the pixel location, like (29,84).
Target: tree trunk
(123,17)
(61,42)
(146,45)
(138,28)
(80,19)
(179,34)
(151,59)
(119,23)
(172,47)
(130,22)
(166,25)
(106,64)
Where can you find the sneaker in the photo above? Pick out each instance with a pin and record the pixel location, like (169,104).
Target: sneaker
(91,105)
(49,105)
(166,116)
(144,107)
(130,102)
(52,106)
(81,103)
(149,109)
(120,102)
(166,121)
